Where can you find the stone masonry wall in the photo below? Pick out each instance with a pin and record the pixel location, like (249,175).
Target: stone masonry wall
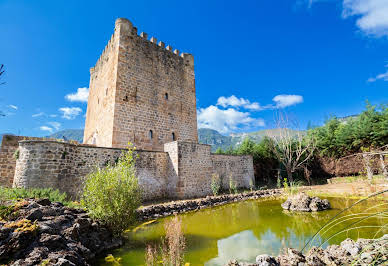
(140,92)
(9,145)
(62,165)
(238,168)
(184,170)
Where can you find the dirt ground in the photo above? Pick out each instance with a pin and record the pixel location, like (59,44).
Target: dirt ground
(357,188)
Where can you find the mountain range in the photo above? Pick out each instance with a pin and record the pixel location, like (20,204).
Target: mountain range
(205,136)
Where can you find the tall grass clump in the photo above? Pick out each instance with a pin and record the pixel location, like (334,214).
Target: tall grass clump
(291,187)
(215,184)
(112,194)
(171,251)
(232,185)
(54,195)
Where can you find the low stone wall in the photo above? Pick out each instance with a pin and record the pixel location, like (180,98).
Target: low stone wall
(237,168)
(184,170)
(62,165)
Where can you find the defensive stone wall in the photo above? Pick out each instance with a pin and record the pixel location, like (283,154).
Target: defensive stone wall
(235,167)
(62,165)
(9,145)
(184,170)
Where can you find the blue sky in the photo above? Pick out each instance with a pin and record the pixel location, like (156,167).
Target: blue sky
(313,59)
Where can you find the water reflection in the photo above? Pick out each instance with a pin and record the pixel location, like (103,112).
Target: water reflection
(242,231)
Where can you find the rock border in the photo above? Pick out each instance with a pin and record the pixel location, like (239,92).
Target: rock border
(177,207)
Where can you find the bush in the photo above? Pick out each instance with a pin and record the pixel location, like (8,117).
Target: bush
(232,185)
(54,195)
(215,184)
(112,194)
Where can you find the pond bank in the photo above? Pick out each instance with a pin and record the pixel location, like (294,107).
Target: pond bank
(39,232)
(175,207)
(349,252)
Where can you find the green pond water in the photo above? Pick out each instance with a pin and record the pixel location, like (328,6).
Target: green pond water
(246,229)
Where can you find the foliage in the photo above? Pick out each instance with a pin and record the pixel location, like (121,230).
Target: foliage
(291,187)
(232,185)
(215,184)
(16,154)
(171,252)
(53,195)
(338,137)
(112,194)
(23,225)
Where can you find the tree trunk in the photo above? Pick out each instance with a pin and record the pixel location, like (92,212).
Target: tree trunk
(383,167)
(289,175)
(369,172)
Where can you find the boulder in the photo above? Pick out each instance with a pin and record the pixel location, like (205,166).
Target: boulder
(304,203)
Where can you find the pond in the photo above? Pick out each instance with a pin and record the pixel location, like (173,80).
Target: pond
(246,229)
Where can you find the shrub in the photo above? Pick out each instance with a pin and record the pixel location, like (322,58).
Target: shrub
(112,194)
(171,252)
(215,184)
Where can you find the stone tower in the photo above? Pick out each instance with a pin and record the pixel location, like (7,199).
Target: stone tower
(140,92)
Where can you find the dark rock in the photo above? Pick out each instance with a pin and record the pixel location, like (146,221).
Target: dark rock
(305,203)
(43,202)
(34,214)
(53,242)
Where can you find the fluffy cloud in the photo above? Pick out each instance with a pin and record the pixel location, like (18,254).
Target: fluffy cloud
(238,102)
(372,15)
(383,76)
(55,125)
(13,106)
(227,120)
(46,128)
(285,100)
(81,95)
(70,112)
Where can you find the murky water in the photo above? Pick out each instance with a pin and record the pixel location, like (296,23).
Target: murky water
(245,229)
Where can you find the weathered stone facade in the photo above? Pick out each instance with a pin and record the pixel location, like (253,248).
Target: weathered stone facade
(140,92)
(183,171)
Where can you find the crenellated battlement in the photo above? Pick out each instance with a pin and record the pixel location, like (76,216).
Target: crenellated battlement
(124,27)
(130,29)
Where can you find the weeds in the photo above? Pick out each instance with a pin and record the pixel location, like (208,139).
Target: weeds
(215,184)
(232,185)
(292,187)
(12,194)
(171,252)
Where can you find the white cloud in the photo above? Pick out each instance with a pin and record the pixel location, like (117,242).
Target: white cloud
(13,106)
(238,102)
(38,114)
(55,125)
(372,15)
(227,120)
(46,128)
(53,115)
(70,112)
(383,76)
(81,95)
(285,100)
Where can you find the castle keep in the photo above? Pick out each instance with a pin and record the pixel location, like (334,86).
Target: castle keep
(142,92)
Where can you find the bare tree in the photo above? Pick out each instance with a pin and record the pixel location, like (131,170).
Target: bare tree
(291,147)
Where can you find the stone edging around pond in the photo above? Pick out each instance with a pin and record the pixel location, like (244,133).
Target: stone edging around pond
(349,252)
(175,207)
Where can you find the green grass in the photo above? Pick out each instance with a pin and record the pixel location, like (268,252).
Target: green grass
(15,194)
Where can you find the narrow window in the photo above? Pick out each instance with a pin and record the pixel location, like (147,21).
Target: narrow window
(173,136)
(150,134)
(166,96)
